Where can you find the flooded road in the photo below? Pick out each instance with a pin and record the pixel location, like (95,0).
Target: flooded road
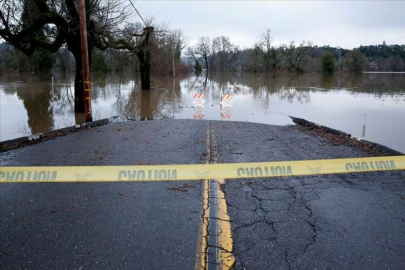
(369,106)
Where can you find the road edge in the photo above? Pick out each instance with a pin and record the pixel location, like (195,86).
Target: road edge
(363,144)
(40,137)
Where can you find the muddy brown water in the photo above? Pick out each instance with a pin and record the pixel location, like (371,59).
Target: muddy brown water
(369,106)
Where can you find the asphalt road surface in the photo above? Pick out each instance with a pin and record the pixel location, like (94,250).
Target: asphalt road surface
(350,221)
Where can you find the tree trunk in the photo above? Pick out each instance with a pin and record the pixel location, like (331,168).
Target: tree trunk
(79,86)
(146,108)
(144,66)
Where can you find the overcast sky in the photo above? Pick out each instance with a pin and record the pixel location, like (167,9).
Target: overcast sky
(339,23)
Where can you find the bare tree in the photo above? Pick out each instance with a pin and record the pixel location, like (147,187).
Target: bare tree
(192,55)
(254,61)
(162,47)
(295,57)
(137,42)
(224,50)
(51,24)
(28,25)
(121,61)
(242,58)
(178,43)
(205,50)
(265,49)
(215,47)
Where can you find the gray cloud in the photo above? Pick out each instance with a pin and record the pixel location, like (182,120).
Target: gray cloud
(339,23)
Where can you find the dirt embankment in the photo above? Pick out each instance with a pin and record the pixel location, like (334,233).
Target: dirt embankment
(337,137)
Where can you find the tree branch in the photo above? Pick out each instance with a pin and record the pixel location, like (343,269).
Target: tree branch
(52,47)
(24,39)
(3,20)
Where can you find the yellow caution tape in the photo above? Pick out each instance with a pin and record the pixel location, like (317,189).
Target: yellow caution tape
(200,171)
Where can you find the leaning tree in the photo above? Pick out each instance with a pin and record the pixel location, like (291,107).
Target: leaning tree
(53,24)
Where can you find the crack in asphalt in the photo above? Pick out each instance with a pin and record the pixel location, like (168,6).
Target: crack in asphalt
(278,220)
(297,201)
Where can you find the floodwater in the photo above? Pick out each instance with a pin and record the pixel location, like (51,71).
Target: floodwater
(369,106)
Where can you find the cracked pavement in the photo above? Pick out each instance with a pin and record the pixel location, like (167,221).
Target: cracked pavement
(348,221)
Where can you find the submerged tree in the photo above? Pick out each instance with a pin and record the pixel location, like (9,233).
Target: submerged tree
(265,50)
(225,50)
(136,41)
(205,50)
(295,57)
(191,54)
(177,43)
(328,62)
(52,24)
(355,61)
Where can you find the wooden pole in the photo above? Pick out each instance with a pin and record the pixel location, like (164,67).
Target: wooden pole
(174,69)
(85,61)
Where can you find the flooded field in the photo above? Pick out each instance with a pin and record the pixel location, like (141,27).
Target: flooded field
(370,106)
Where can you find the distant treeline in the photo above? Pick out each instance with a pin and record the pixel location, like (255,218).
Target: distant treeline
(219,54)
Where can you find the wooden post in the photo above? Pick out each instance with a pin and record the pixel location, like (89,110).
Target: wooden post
(174,70)
(85,61)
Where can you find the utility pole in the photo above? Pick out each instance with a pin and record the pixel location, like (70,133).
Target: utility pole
(340,57)
(174,70)
(85,61)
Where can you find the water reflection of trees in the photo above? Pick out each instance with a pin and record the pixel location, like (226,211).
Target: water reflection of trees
(291,94)
(166,99)
(297,88)
(327,81)
(382,86)
(261,87)
(63,100)
(36,98)
(162,102)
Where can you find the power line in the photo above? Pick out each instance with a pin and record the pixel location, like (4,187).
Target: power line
(138,12)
